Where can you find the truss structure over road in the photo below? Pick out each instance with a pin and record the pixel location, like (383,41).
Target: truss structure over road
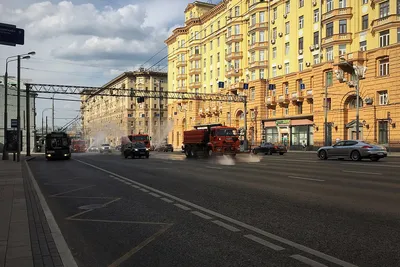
(119,92)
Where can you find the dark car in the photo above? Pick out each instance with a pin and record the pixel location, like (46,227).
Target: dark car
(165,148)
(136,150)
(269,148)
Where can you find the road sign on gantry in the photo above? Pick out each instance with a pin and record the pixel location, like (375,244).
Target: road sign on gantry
(11,35)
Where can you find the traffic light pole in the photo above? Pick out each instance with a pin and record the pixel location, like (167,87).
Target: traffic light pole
(19,109)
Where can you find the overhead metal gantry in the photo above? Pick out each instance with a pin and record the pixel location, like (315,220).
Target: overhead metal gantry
(127,92)
(130,92)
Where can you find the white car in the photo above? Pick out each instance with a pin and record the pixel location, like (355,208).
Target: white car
(105,148)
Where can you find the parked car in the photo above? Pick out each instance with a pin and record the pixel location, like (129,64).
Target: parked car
(353,149)
(269,149)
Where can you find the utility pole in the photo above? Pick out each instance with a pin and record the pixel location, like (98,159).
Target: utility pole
(19,109)
(52,116)
(46,125)
(159,115)
(34,123)
(357,105)
(326,116)
(28,121)
(5,153)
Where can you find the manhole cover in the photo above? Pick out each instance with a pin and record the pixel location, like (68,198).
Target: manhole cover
(91,206)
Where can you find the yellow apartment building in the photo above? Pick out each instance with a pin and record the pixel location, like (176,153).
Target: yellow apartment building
(286,53)
(105,119)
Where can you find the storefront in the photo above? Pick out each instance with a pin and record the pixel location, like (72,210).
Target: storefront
(294,133)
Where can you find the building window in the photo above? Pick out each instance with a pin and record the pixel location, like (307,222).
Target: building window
(287,28)
(262,74)
(329,53)
(343,26)
(301,3)
(287,48)
(211,45)
(253,75)
(301,43)
(316,59)
(301,22)
(316,38)
(342,3)
(271,133)
(274,33)
(364,22)
(253,20)
(398,32)
(316,15)
(237,11)
(286,111)
(329,5)
(274,71)
(299,108)
(300,64)
(383,132)
(262,55)
(328,78)
(262,36)
(286,88)
(262,17)
(237,47)
(342,50)
(329,29)
(287,7)
(384,38)
(383,97)
(384,67)
(364,2)
(363,46)
(237,29)
(275,13)
(287,68)
(274,53)
(384,9)
(252,93)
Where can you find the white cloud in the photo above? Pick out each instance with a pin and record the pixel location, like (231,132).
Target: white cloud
(82,42)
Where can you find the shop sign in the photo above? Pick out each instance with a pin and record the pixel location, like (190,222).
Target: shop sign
(282,122)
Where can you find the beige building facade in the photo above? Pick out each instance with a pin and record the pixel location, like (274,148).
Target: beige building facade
(286,53)
(105,119)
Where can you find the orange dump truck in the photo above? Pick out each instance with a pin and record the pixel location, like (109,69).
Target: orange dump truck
(78,146)
(211,139)
(140,138)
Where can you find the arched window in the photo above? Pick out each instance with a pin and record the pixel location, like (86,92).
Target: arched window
(353,103)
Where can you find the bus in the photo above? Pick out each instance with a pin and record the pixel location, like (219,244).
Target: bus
(57,146)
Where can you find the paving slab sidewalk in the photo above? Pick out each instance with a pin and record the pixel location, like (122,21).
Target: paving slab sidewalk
(25,238)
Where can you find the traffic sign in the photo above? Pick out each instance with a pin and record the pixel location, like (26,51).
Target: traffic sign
(11,35)
(14,123)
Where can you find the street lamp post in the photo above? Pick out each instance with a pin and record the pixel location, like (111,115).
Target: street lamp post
(42,120)
(8,60)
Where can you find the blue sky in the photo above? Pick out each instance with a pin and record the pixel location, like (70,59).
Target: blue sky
(87,42)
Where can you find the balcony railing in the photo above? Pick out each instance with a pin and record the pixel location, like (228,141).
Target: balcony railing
(193,85)
(309,93)
(234,38)
(234,73)
(385,22)
(336,38)
(181,88)
(233,55)
(257,26)
(236,86)
(297,96)
(194,71)
(271,101)
(258,64)
(283,98)
(181,76)
(338,13)
(181,63)
(258,45)
(195,57)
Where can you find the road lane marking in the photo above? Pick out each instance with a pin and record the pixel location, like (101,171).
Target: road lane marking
(226,226)
(371,173)
(135,186)
(62,247)
(70,191)
(130,253)
(144,190)
(154,195)
(234,221)
(201,215)
(264,242)
(305,178)
(308,261)
(182,207)
(167,200)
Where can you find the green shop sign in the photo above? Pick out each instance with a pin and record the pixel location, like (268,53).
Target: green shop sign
(282,122)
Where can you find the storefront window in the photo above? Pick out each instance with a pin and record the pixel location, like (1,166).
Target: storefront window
(311,137)
(271,135)
(299,135)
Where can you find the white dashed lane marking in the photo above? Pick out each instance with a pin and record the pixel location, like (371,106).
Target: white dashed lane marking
(264,242)
(182,207)
(154,195)
(226,226)
(202,215)
(167,200)
(308,261)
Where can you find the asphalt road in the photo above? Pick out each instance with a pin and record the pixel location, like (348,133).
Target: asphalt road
(290,210)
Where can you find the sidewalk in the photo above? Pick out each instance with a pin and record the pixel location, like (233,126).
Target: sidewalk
(25,237)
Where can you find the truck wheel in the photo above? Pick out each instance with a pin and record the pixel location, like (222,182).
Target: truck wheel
(188,152)
(210,153)
(193,153)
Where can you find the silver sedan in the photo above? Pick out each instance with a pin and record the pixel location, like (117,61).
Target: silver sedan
(355,150)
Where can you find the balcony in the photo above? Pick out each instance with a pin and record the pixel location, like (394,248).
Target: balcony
(233,55)
(181,88)
(181,76)
(297,96)
(258,64)
(194,71)
(181,63)
(283,99)
(234,73)
(234,38)
(194,85)
(195,56)
(336,14)
(258,46)
(271,101)
(374,2)
(309,94)
(258,26)
(236,86)
(391,21)
(339,38)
